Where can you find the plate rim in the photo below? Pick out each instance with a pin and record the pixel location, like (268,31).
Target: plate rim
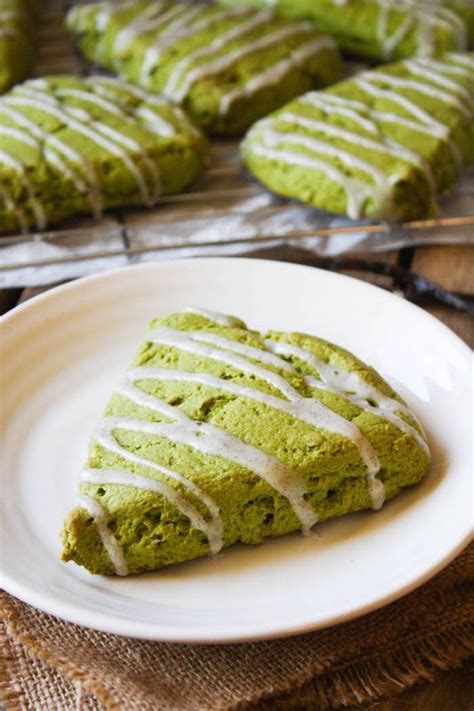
(73,613)
(149,266)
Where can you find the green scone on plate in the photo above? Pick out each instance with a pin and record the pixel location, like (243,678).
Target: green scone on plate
(70,145)
(380,145)
(228,68)
(17,40)
(218,435)
(383,30)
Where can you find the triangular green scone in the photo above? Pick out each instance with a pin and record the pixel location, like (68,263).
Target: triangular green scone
(224,435)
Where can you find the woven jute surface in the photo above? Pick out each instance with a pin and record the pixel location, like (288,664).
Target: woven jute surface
(51,664)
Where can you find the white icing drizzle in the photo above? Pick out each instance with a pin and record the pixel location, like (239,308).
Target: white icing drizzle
(421,87)
(385,146)
(91,98)
(135,148)
(81,122)
(356,191)
(236,355)
(18,135)
(109,86)
(192,342)
(430,124)
(213,528)
(422,17)
(465,60)
(275,73)
(92,187)
(445,68)
(120,138)
(386,411)
(241,349)
(390,42)
(306,409)
(423,68)
(155,122)
(212,441)
(221,63)
(14,209)
(331,104)
(65,159)
(176,31)
(20,170)
(215,316)
(272,137)
(149,19)
(110,543)
(353,388)
(248,25)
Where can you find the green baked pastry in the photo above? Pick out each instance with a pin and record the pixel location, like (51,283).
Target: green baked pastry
(17,40)
(218,434)
(71,145)
(465,9)
(227,68)
(383,30)
(378,145)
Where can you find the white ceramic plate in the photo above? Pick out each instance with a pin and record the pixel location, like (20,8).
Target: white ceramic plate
(64,351)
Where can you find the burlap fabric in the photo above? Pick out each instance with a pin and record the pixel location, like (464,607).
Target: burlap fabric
(50,664)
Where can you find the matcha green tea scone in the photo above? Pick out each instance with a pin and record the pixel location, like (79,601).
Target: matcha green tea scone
(383,30)
(17,40)
(378,145)
(71,145)
(217,434)
(226,67)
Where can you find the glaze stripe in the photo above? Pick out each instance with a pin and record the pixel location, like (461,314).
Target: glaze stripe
(82,122)
(65,159)
(110,543)
(212,441)
(186,341)
(421,87)
(436,127)
(177,92)
(91,183)
(213,529)
(353,388)
(385,145)
(424,19)
(248,25)
(356,191)
(331,104)
(78,125)
(306,409)
(275,73)
(166,40)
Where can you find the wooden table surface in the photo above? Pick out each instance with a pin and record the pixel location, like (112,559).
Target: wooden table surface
(452,267)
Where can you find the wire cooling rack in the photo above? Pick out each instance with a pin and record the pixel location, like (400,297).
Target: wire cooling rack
(225,211)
